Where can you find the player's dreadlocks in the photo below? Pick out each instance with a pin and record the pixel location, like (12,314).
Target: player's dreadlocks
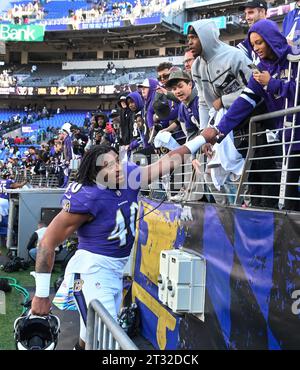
(88,169)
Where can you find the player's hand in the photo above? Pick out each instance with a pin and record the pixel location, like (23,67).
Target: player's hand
(262,78)
(210,135)
(207,150)
(40,306)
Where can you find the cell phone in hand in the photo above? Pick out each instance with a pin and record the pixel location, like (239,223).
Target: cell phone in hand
(254,68)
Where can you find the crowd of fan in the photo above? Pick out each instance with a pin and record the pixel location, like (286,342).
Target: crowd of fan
(171,103)
(61,153)
(46,159)
(22,13)
(103,11)
(7,79)
(30,115)
(111,11)
(106,11)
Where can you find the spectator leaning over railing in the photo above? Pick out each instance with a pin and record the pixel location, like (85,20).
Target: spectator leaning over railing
(181,85)
(270,84)
(165,104)
(213,57)
(220,73)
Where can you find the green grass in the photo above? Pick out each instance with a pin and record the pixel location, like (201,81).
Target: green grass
(14,301)
(13,310)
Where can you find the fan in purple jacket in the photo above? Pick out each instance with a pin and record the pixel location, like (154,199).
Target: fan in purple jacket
(148,88)
(142,137)
(271,85)
(135,102)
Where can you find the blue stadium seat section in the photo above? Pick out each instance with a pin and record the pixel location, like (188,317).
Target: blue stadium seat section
(57,9)
(54,121)
(6,114)
(53,75)
(74,117)
(60,9)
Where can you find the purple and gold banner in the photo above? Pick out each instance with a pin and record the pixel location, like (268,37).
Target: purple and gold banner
(252,298)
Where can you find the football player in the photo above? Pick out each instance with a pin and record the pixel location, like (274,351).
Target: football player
(102,206)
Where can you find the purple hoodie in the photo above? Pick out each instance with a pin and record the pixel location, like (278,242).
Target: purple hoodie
(138,99)
(148,108)
(278,88)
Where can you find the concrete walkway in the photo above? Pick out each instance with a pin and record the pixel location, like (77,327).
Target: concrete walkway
(69,327)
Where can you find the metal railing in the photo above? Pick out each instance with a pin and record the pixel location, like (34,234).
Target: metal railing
(279,158)
(260,185)
(103,332)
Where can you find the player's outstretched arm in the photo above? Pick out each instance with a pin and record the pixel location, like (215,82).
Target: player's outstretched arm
(171,160)
(61,227)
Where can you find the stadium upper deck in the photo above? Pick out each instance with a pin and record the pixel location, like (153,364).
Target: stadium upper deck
(78,12)
(123,32)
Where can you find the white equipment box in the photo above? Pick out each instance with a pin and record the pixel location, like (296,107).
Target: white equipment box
(181,284)
(164,275)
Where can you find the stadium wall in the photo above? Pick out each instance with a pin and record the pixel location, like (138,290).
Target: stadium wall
(30,212)
(128,63)
(78,104)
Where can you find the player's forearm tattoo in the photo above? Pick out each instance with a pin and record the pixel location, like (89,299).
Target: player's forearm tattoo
(44,260)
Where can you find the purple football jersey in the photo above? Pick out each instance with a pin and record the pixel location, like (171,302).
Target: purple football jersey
(4,185)
(112,230)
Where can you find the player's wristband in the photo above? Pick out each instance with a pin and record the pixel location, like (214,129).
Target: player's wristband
(195,144)
(42,284)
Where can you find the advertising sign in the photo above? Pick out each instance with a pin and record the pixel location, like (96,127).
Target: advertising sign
(26,33)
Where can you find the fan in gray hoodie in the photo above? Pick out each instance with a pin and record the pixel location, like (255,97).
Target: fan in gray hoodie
(220,71)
